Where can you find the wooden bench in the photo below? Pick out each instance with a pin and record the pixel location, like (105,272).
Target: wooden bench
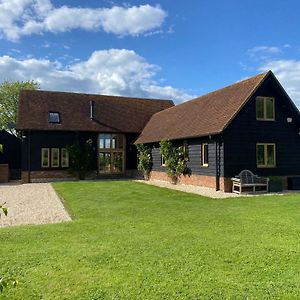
(247,180)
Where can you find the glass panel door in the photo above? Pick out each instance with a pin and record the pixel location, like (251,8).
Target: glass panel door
(104,162)
(117,162)
(111,151)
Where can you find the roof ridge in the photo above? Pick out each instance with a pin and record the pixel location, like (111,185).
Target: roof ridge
(218,90)
(195,117)
(103,95)
(233,84)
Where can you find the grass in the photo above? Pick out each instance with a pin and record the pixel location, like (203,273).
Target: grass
(134,241)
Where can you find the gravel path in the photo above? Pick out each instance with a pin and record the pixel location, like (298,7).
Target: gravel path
(200,190)
(33,203)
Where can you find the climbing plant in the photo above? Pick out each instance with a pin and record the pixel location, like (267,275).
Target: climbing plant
(175,161)
(144,160)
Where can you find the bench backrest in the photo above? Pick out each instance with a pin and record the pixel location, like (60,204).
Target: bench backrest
(246,176)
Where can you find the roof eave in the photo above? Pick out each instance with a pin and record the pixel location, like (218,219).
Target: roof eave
(179,138)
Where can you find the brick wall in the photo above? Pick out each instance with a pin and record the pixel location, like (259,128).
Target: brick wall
(201,180)
(4,173)
(45,175)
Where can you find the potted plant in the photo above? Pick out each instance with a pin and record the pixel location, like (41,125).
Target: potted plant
(275,184)
(144,160)
(175,161)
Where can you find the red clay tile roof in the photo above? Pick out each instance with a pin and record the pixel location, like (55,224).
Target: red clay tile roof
(112,113)
(207,115)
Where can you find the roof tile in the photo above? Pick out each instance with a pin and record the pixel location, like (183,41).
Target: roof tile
(205,115)
(112,113)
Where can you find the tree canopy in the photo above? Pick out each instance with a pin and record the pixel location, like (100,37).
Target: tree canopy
(9,98)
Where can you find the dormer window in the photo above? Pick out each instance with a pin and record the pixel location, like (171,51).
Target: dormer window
(54,117)
(265,108)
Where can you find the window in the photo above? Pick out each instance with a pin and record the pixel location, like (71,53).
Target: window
(204,155)
(265,155)
(64,158)
(265,108)
(163,161)
(55,157)
(54,117)
(185,151)
(105,162)
(45,158)
(111,153)
(111,141)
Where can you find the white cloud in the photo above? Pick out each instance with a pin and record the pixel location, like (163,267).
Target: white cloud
(26,17)
(112,72)
(288,73)
(265,50)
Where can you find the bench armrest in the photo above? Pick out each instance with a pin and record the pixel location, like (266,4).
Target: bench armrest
(236,179)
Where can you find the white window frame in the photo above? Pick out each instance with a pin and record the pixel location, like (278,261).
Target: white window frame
(266,155)
(42,157)
(66,165)
(163,161)
(58,158)
(265,109)
(203,164)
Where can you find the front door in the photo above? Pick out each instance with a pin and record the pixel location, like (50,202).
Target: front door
(111,153)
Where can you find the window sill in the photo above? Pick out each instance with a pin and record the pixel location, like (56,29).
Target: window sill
(266,167)
(268,120)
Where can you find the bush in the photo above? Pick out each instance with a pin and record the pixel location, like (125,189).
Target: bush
(144,160)
(174,160)
(81,157)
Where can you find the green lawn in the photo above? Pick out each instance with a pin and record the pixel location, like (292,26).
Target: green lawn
(134,241)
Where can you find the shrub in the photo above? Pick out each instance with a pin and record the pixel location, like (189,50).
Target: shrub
(174,160)
(81,157)
(144,160)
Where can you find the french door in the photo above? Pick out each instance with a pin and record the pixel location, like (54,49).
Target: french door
(111,153)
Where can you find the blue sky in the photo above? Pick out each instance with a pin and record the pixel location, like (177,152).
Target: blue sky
(161,49)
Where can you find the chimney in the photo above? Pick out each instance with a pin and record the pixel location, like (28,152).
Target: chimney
(92,110)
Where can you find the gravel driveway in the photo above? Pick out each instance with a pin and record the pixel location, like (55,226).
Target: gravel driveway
(33,203)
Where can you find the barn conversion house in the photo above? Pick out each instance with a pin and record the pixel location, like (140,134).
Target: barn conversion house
(252,124)
(50,121)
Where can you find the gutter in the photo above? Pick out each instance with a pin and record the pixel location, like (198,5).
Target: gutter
(28,155)
(218,163)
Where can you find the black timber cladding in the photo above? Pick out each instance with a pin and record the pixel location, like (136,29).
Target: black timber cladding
(53,139)
(194,154)
(245,131)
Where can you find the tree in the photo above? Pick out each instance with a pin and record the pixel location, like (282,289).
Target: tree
(9,98)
